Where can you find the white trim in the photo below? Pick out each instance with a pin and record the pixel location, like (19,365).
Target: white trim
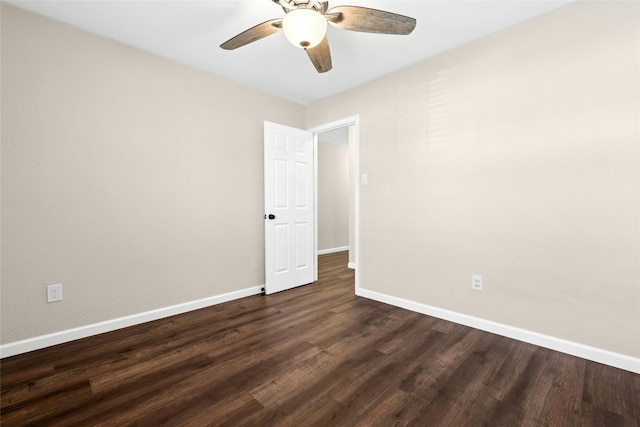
(569,347)
(356,173)
(351,265)
(315,206)
(333,250)
(19,347)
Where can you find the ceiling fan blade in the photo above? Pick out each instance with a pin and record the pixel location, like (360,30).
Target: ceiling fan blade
(320,56)
(252,34)
(356,18)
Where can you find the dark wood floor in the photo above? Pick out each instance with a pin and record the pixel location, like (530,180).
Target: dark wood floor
(315,355)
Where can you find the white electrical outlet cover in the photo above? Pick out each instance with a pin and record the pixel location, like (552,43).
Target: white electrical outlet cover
(476,282)
(54,292)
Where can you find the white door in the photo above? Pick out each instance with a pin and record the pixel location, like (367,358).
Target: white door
(288,202)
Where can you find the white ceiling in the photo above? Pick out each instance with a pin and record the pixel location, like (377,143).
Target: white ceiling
(190,32)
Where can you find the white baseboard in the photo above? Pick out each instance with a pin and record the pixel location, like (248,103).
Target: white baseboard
(19,347)
(575,349)
(351,265)
(332,250)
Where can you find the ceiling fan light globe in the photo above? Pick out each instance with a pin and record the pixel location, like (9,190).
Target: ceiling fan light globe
(304,28)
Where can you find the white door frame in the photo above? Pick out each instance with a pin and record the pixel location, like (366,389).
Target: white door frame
(348,121)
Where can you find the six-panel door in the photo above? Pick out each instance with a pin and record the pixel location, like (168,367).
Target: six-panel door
(288,181)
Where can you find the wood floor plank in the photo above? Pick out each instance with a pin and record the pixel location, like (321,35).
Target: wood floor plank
(313,355)
(49,403)
(294,380)
(558,392)
(595,416)
(518,388)
(129,401)
(607,389)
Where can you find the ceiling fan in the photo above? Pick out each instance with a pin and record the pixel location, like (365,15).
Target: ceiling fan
(305,25)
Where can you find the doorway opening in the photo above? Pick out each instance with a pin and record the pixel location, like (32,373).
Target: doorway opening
(337,141)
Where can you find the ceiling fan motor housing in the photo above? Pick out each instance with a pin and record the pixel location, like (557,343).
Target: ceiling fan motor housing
(289,5)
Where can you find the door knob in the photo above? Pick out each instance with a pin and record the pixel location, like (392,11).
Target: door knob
(271,216)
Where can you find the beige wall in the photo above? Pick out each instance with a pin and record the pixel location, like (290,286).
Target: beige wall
(132,180)
(515,157)
(333,196)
